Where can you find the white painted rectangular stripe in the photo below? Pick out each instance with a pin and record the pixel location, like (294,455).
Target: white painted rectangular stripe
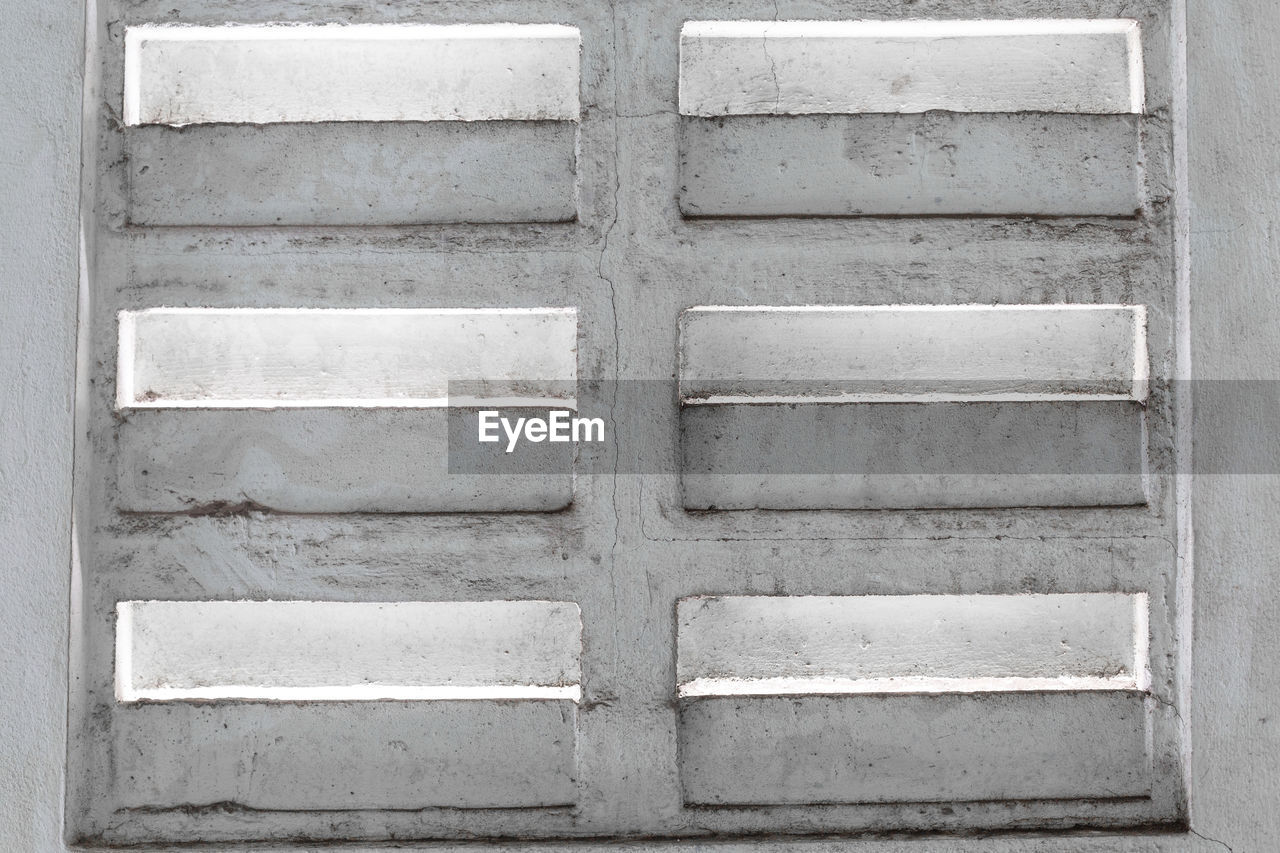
(787,645)
(343,651)
(282,357)
(265,73)
(922,353)
(797,67)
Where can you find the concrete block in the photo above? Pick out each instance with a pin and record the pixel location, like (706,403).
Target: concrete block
(903,353)
(295,357)
(795,67)
(341,650)
(913,455)
(258,74)
(914,748)
(335,755)
(355,173)
(332,460)
(911,165)
(874,644)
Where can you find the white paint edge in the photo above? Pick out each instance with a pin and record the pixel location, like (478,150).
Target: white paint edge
(132,111)
(1142,641)
(932,307)
(910,28)
(1141,358)
(855,397)
(255,403)
(1137,71)
(126,356)
(124,649)
(226,312)
(296,31)
(704,687)
(354,693)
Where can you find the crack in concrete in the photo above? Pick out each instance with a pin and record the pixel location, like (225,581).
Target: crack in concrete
(773,64)
(617,342)
(1211,840)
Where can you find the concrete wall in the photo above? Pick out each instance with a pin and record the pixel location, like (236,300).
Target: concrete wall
(1233,121)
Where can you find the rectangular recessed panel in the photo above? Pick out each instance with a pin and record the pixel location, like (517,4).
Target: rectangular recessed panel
(383,755)
(266,73)
(778,645)
(286,357)
(911,165)
(333,460)
(912,455)
(923,353)
(914,748)
(794,67)
(355,173)
(341,651)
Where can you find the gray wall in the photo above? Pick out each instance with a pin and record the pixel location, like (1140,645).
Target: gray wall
(1234,99)
(1235,181)
(40,62)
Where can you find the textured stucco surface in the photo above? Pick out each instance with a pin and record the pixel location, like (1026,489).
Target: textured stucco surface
(40,62)
(1234,121)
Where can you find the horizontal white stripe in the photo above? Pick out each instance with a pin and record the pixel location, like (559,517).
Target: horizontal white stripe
(266,73)
(912,353)
(741,645)
(545,401)
(798,67)
(354,693)
(347,651)
(958,28)
(290,357)
(777,399)
(702,687)
(347,32)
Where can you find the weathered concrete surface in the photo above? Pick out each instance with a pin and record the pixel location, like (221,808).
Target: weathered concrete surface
(354,173)
(335,755)
(945,747)
(333,460)
(912,455)
(918,165)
